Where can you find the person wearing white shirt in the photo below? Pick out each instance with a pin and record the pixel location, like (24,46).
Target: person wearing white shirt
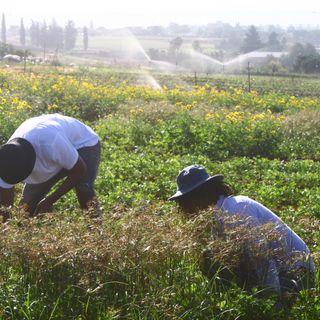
(44,150)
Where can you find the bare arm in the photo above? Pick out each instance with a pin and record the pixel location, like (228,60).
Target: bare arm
(6,201)
(6,197)
(74,176)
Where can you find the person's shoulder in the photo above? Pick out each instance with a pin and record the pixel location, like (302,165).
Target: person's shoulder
(235,202)
(245,202)
(242,199)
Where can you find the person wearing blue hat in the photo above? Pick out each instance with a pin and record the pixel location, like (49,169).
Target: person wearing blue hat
(197,190)
(44,150)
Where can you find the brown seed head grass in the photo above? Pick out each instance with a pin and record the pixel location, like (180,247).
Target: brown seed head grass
(241,246)
(124,244)
(129,244)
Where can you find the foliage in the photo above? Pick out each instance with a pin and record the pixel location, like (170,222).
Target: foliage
(70,35)
(3,29)
(141,261)
(85,38)
(22,35)
(251,41)
(9,49)
(308,64)
(53,36)
(291,60)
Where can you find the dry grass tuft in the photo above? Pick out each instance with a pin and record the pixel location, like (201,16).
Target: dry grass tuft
(306,121)
(130,245)
(245,250)
(125,244)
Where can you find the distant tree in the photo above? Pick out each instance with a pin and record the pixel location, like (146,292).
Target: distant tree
(232,43)
(305,35)
(217,54)
(174,47)
(271,65)
(22,33)
(176,43)
(196,46)
(43,35)
(309,50)
(308,63)
(3,49)
(173,28)
(85,38)
(70,34)
(293,61)
(3,29)
(218,30)
(34,33)
(289,60)
(7,49)
(154,53)
(296,50)
(55,36)
(284,43)
(273,42)
(184,29)
(251,41)
(155,30)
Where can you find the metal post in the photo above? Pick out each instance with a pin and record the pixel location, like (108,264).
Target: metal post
(25,61)
(249,80)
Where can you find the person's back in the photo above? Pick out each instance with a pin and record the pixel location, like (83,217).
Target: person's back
(55,139)
(44,150)
(283,261)
(259,215)
(43,130)
(287,263)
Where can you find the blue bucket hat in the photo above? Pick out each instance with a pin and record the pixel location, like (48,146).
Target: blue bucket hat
(191,178)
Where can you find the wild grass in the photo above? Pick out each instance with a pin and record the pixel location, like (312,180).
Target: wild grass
(126,255)
(141,261)
(133,264)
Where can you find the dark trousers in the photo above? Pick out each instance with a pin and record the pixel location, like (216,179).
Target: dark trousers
(33,193)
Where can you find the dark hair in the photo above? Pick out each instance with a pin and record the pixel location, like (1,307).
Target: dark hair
(203,196)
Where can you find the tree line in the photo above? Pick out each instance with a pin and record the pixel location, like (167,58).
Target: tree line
(52,36)
(299,45)
(297,56)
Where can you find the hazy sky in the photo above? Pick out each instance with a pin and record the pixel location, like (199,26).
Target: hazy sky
(122,13)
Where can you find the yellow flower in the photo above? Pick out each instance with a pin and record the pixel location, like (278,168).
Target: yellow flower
(52,107)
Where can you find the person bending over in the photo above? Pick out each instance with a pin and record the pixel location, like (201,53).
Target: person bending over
(197,190)
(44,150)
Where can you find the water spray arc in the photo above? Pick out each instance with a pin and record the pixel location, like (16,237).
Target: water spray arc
(192,61)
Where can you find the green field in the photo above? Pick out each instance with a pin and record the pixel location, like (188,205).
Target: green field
(123,40)
(142,260)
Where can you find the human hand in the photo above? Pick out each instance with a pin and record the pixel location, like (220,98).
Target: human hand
(5,214)
(44,205)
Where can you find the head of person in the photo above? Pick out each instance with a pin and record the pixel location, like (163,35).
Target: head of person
(197,190)
(17,160)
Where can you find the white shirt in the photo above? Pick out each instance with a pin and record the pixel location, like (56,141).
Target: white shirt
(55,139)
